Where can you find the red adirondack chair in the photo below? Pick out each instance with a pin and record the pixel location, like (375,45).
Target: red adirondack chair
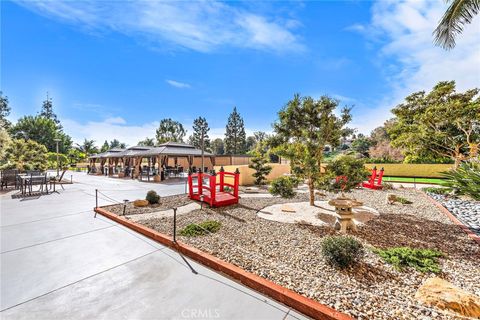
(375,181)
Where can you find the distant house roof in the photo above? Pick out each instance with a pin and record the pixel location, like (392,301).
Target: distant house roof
(167,149)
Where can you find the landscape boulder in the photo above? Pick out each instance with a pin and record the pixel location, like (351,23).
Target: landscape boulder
(140,203)
(442,294)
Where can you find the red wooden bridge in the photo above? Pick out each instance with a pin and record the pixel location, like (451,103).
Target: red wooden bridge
(204,187)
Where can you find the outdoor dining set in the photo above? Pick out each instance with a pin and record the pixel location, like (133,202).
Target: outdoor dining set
(26,181)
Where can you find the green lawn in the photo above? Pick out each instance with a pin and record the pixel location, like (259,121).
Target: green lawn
(412,180)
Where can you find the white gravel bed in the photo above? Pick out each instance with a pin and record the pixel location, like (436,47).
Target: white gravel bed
(467,211)
(319,215)
(256,195)
(164,213)
(289,254)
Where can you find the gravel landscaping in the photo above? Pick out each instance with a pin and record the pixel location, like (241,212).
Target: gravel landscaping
(168,202)
(467,211)
(289,254)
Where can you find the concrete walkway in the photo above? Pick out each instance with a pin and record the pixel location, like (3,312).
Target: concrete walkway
(58,262)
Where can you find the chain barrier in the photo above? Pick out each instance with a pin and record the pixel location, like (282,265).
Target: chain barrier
(279,266)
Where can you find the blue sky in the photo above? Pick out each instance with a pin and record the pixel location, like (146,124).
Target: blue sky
(114,69)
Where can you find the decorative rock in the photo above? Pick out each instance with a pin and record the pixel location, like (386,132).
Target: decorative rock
(287,208)
(320,194)
(444,295)
(391,198)
(140,203)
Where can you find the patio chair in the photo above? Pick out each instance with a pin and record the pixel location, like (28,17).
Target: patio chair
(58,180)
(37,180)
(9,177)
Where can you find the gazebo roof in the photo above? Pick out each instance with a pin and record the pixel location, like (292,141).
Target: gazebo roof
(166,149)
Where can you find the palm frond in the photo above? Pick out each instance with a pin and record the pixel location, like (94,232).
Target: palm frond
(459,13)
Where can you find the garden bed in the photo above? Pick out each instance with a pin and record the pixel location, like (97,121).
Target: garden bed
(289,254)
(168,202)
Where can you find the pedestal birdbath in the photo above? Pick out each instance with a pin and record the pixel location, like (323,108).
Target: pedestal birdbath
(343,209)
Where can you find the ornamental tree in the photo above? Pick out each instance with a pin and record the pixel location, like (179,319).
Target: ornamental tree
(304,126)
(259,163)
(442,123)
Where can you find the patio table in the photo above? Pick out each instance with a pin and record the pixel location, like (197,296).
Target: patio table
(26,180)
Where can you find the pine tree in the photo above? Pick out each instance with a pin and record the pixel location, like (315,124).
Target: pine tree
(47,111)
(259,164)
(200,127)
(4,111)
(235,138)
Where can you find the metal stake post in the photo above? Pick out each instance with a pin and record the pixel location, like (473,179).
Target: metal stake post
(96,202)
(174,224)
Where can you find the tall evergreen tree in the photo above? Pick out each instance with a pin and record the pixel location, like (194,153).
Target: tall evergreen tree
(47,111)
(200,128)
(4,111)
(235,138)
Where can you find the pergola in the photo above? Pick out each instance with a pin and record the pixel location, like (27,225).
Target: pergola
(133,156)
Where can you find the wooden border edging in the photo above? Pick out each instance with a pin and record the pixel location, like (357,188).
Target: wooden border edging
(283,295)
(452,217)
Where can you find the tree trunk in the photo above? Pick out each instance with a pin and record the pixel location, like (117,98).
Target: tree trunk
(457,163)
(473,147)
(311,189)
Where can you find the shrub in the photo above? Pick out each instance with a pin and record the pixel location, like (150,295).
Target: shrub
(403,200)
(152,197)
(437,190)
(193,229)
(282,186)
(423,260)
(342,252)
(465,179)
(387,186)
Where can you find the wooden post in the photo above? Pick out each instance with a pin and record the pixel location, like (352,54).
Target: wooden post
(213,182)
(190,184)
(237,181)
(222,179)
(200,183)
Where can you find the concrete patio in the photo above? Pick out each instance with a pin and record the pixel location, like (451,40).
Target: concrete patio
(58,261)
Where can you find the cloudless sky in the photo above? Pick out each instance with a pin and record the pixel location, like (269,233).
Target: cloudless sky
(130,75)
